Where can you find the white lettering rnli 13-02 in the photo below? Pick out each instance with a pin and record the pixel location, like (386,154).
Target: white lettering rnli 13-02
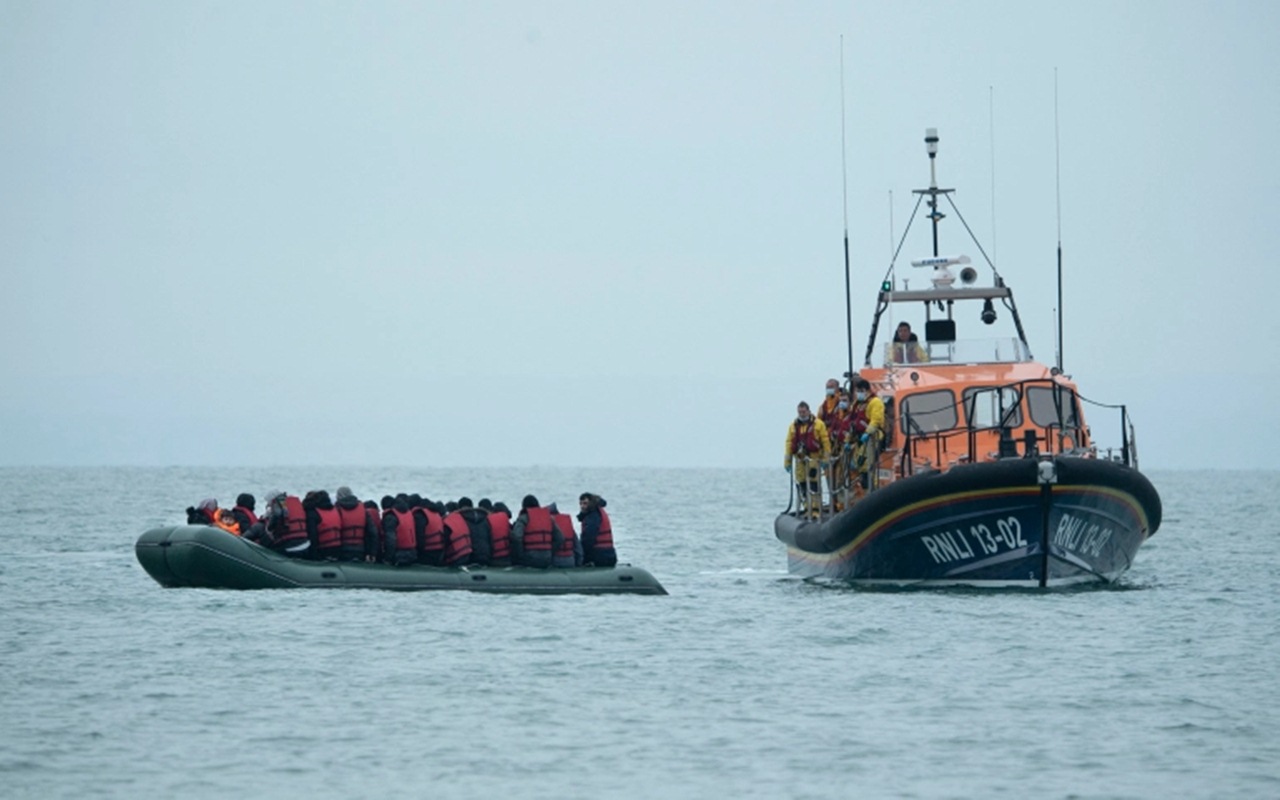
(957,544)
(1081,536)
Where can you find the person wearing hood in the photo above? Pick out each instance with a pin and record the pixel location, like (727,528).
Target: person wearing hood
(597,532)
(499,520)
(356,538)
(477,520)
(429,525)
(324,526)
(243,512)
(457,536)
(535,535)
(399,535)
(202,514)
(283,526)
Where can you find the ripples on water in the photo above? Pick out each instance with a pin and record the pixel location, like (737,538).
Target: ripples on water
(744,682)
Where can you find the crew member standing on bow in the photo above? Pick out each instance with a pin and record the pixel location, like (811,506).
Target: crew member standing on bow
(597,532)
(830,400)
(838,426)
(866,431)
(807,450)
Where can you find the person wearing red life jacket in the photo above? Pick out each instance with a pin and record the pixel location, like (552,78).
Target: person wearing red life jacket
(481,536)
(355,537)
(400,540)
(429,523)
(597,532)
(324,525)
(806,453)
(457,537)
(535,535)
(283,526)
(569,552)
(499,520)
(243,512)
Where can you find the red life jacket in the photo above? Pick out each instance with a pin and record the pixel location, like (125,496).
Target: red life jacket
(253,518)
(352,522)
(295,524)
(500,535)
(457,548)
(804,441)
(537,531)
(565,523)
(839,424)
(605,538)
(858,415)
(433,536)
(406,534)
(328,528)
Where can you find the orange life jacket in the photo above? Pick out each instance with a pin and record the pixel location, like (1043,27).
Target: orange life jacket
(223,519)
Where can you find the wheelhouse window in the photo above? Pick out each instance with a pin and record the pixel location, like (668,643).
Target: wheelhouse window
(984,405)
(928,412)
(1052,406)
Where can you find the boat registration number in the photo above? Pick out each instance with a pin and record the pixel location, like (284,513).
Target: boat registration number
(957,544)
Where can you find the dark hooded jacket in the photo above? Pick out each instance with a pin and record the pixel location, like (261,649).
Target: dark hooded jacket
(593,554)
(481,536)
(313,503)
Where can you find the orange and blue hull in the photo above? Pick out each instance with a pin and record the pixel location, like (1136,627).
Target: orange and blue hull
(1017,522)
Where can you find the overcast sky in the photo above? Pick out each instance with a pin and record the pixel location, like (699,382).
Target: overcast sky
(469,233)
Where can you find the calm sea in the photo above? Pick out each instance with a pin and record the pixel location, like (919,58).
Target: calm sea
(742,683)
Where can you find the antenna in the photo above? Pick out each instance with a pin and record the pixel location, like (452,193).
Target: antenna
(1057,180)
(844,185)
(992,107)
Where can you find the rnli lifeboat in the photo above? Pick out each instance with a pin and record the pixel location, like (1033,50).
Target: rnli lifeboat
(988,473)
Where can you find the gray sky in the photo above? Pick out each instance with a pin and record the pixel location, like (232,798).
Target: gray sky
(604,233)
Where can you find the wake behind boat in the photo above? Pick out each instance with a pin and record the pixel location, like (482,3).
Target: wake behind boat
(985,473)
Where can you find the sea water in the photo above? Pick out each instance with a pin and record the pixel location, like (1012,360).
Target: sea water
(743,682)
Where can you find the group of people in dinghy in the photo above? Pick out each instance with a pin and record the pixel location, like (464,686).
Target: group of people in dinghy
(409,529)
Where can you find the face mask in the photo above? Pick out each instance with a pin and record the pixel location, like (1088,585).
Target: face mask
(831,392)
(842,405)
(862,395)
